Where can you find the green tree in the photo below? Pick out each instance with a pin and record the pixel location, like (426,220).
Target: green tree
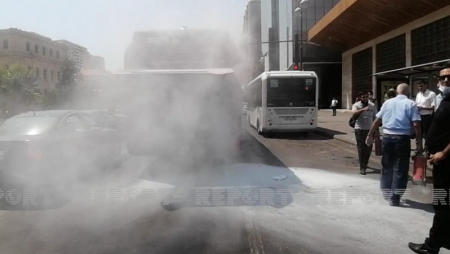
(70,76)
(18,89)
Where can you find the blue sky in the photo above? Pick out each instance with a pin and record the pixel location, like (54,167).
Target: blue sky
(105,27)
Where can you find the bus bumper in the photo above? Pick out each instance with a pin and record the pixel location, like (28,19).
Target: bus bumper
(290,128)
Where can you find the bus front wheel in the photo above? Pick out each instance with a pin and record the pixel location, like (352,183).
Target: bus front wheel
(257,128)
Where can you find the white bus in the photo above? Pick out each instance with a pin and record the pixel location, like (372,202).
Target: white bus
(283,101)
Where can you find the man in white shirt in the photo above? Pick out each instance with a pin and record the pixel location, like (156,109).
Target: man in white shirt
(334,104)
(426,102)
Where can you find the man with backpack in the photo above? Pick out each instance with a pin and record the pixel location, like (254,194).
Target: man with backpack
(364,113)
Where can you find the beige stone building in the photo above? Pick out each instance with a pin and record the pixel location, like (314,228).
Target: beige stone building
(39,53)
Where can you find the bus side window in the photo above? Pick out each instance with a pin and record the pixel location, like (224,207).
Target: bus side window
(258,94)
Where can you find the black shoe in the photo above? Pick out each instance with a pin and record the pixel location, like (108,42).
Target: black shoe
(422,248)
(394,203)
(362,171)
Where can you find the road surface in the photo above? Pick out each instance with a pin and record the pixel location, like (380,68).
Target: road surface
(317,203)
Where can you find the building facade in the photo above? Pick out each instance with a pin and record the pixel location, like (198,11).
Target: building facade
(250,46)
(96,62)
(279,25)
(76,53)
(39,53)
(413,46)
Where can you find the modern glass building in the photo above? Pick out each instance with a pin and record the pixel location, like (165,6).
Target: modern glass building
(279,25)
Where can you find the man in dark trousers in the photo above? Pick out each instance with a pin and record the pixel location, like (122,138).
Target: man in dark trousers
(438,144)
(364,113)
(399,116)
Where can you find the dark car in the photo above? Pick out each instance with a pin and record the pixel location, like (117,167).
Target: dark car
(103,118)
(46,147)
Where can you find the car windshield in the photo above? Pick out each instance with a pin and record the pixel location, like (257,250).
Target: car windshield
(26,126)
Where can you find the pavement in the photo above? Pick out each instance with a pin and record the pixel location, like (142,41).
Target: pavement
(320,204)
(337,127)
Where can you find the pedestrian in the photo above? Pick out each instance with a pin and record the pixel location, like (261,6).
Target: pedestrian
(391,94)
(426,101)
(334,104)
(438,145)
(439,96)
(398,116)
(364,113)
(373,100)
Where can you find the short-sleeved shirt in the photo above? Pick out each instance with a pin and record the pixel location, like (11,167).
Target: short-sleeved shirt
(397,115)
(426,99)
(334,103)
(365,120)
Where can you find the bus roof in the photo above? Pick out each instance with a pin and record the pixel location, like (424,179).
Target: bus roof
(177,71)
(286,74)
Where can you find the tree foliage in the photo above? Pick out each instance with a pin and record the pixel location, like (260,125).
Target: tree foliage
(18,89)
(70,76)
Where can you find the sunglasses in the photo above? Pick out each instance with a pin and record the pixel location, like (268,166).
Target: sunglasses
(442,78)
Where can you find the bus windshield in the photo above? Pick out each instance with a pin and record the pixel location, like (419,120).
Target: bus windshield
(291,92)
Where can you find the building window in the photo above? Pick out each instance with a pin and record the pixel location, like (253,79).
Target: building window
(431,43)
(44,50)
(361,72)
(36,49)
(45,74)
(37,72)
(57,54)
(51,52)
(5,44)
(51,75)
(28,46)
(58,76)
(391,54)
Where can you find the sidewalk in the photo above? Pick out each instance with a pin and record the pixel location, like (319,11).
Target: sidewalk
(337,127)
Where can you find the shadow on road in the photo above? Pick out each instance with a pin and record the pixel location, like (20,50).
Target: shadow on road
(419,206)
(259,178)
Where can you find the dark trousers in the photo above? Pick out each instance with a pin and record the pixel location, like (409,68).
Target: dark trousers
(334,110)
(425,122)
(395,166)
(440,231)
(364,151)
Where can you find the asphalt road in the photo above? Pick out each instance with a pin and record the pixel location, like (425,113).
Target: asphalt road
(319,204)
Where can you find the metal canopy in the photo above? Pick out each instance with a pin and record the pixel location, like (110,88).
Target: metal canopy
(353,22)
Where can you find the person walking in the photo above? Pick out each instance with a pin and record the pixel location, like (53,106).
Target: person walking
(398,115)
(426,102)
(438,145)
(373,100)
(391,94)
(334,104)
(364,113)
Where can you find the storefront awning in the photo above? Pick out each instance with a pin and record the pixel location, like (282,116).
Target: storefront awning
(421,68)
(353,22)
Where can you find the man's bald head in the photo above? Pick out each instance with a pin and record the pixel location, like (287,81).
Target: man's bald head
(403,89)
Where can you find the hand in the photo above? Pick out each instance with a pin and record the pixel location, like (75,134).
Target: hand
(366,108)
(369,140)
(437,157)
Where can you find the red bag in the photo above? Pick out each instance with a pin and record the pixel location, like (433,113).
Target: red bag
(420,168)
